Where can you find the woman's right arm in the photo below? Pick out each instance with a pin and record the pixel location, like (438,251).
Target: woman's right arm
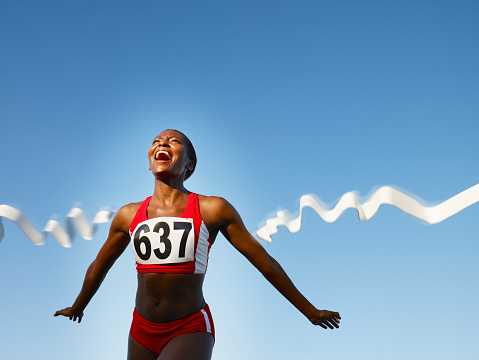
(113,247)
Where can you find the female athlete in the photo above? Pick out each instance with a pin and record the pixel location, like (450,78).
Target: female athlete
(171,233)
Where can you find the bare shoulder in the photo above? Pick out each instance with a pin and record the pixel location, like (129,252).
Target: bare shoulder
(124,217)
(212,201)
(215,210)
(129,209)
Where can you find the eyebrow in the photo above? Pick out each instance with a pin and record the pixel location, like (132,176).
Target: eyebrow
(169,137)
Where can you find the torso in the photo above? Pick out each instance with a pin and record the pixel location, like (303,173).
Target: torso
(169,297)
(165,297)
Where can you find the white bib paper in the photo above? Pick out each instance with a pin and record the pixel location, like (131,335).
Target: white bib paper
(164,240)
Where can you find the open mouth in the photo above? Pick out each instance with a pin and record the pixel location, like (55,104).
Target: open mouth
(162,155)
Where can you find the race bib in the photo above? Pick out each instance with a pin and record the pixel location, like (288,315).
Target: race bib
(164,240)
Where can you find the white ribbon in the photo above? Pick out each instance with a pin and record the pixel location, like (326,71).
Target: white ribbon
(367,209)
(76,217)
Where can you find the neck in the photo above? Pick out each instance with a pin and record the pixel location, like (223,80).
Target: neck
(168,190)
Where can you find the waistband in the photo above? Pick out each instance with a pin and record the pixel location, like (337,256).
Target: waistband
(205,312)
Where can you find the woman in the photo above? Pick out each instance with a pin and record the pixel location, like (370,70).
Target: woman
(171,233)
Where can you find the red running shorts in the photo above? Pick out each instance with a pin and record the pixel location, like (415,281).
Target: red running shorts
(154,336)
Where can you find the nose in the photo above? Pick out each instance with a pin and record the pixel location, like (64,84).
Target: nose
(164,142)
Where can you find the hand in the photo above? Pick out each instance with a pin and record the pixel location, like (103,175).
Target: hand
(326,319)
(70,313)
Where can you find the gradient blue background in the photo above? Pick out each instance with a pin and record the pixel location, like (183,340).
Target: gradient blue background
(280,99)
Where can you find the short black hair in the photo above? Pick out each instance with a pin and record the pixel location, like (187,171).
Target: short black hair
(190,150)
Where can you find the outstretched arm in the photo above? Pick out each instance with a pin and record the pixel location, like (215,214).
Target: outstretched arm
(235,232)
(114,246)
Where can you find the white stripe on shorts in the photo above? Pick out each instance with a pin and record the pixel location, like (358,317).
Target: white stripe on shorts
(207,321)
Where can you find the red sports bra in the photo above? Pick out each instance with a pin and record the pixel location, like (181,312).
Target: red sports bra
(178,245)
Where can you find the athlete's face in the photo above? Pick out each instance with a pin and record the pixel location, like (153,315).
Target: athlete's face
(168,156)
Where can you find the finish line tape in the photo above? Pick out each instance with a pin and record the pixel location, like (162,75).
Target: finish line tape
(367,209)
(76,217)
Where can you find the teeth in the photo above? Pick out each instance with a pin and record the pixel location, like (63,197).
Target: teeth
(157,155)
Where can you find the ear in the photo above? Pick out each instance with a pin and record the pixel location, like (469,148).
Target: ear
(190,165)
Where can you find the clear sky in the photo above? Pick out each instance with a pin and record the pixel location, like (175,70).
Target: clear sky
(280,99)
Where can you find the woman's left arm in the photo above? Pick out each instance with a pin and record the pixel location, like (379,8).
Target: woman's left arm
(234,230)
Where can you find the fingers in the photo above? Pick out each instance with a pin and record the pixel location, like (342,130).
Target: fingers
(329,324)
(67,312)
(60,312)
(325,324)
(75,318)
(329,320)
(333,323)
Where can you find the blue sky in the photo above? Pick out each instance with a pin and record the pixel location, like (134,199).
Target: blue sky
(280,99)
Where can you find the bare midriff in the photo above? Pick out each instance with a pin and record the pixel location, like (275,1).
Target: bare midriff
(168,297)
